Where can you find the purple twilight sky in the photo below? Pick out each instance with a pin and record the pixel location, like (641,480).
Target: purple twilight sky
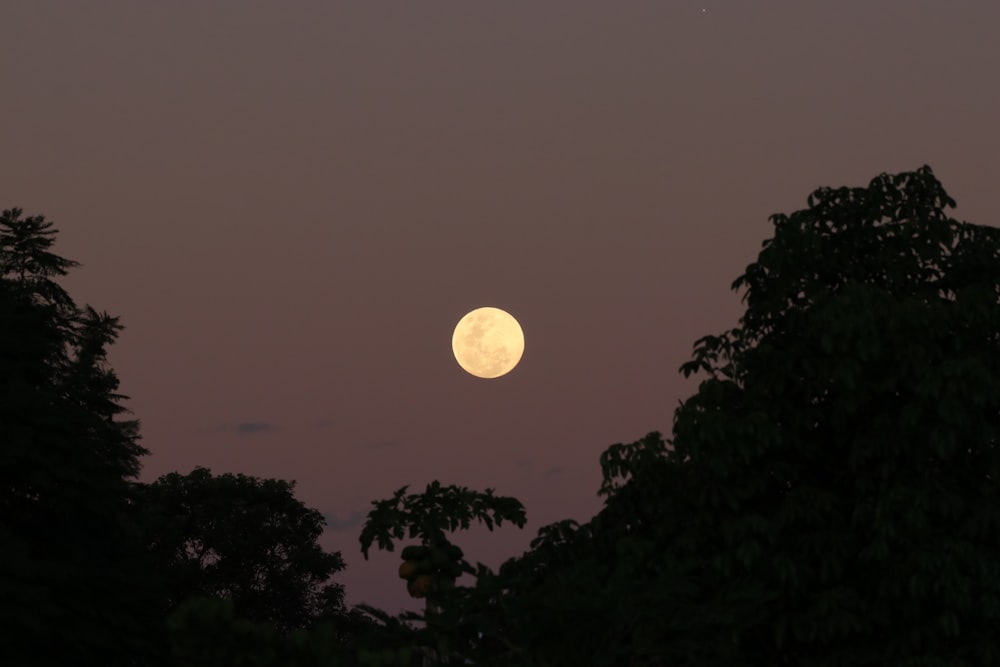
(291,204)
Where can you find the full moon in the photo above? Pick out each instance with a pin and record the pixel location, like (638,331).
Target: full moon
(488,342)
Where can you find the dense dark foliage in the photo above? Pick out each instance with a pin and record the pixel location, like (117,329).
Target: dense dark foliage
(96,568)
(829,495)
(244,539)
(71,564)
(848,436)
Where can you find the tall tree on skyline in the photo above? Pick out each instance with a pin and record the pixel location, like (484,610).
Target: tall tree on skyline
(69,558)
(849,431)
(81,582)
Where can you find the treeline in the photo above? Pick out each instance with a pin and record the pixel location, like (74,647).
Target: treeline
(829,495)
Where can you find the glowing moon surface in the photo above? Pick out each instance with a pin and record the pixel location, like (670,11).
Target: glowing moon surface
(488,342)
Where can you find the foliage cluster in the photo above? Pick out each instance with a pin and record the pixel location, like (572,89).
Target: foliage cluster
(69,556)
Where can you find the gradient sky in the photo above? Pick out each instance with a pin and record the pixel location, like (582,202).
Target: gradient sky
(290,205)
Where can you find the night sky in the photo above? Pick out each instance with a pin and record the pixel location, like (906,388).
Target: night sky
(290,205)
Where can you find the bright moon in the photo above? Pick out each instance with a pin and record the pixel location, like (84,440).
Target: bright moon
(488,342)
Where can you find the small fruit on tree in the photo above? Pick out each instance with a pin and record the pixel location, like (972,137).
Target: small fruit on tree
(408,569)
(420,586)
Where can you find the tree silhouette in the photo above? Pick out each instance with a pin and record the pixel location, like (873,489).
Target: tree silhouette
(830,493)
(243,539)
(72,573)
(847,436)
(450,621)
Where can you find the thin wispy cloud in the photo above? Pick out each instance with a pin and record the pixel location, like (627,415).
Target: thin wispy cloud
(352,520)
(249,428)
(256,426)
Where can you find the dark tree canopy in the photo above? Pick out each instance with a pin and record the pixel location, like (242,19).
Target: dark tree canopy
(92,563)
(830,493)
(70,562)
(243,539)
(847,437)
(435,512)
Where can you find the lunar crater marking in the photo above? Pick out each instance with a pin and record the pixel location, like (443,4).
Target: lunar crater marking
(488,342)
